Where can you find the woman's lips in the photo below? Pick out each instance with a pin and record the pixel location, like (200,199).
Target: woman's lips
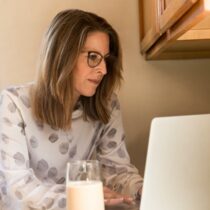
(96,82)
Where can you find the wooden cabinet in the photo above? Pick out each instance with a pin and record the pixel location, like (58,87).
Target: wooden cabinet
(174,29)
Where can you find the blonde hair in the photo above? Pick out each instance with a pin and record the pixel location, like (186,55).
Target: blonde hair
(52,94)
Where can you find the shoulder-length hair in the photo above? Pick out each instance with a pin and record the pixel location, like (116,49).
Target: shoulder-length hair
(52,93)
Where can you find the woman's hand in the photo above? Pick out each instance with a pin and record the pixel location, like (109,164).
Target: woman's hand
(114,198)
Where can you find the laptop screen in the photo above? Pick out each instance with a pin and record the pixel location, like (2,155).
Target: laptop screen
(177,173)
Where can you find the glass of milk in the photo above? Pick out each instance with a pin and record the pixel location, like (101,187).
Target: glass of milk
(84,188)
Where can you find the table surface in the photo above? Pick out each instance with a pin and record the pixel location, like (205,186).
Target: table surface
(134,206)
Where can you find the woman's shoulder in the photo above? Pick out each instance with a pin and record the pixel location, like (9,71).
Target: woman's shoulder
(18,91)
(19,95)
(114,101)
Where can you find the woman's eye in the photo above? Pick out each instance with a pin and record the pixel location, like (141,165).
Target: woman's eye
(93,56)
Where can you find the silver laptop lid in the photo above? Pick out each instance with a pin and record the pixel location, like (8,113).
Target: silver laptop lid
(177,173)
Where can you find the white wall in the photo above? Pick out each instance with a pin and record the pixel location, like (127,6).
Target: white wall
(151,88)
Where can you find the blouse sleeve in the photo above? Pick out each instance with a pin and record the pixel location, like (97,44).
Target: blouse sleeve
(19,187)
(118,173)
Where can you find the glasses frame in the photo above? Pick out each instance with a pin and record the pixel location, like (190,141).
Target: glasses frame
(107,58)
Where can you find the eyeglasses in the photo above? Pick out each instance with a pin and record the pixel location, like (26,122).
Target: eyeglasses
(94,58)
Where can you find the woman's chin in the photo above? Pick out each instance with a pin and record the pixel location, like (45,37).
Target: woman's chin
(90,94)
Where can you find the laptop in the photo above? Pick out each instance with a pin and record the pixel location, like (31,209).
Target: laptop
(177,173)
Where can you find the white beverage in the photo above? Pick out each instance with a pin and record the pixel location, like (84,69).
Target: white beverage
(85,195)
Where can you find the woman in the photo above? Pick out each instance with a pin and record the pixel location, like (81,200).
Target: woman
(70,112)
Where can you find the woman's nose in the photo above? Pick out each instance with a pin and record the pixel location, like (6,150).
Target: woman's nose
(103,67)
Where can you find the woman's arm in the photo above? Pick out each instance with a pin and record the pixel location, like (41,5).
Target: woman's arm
(21,189)
(119,174)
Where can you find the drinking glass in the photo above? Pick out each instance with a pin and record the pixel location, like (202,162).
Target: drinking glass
(84,187)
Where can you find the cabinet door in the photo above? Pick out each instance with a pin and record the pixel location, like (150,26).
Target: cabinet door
(166,46)
(149,27)
(171,11)
(163,14)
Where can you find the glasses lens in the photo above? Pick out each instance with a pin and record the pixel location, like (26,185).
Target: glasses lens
(94,59)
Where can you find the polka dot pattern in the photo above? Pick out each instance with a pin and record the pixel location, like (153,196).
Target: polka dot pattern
(112,144)
(7,121)
(110,169)
(3,193)
(104,131)
(42,165)
(53,138)
(19,158)
(112,132)
(25,101)
(60,146)
(115,104)
(123,137)
(22,125)
(73,151)
(61,180)
(4,190)
(63,148)
(52,172)
(12,107)
(34,142)
(13,91)
(61,189)
(39,125)
(5,138)
(119,188)
(121,153)
(69,138)
(3,155)
(2,176)
(62,203)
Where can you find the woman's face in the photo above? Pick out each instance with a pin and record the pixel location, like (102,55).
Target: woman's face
(91,66)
